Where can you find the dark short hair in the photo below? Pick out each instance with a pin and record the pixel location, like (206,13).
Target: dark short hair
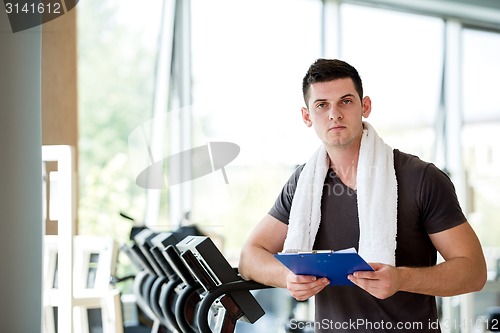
(324,70)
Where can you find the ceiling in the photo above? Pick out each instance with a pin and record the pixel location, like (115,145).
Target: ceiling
(484,13)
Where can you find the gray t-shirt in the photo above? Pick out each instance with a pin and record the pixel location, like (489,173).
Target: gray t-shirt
(427,204)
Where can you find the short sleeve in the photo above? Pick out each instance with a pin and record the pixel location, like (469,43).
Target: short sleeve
(440,209)
(283,204)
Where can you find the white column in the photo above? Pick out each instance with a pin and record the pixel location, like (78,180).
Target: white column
(161,104)
(454,123)
(331,29)
(454,108)
(20,179)
(180,126)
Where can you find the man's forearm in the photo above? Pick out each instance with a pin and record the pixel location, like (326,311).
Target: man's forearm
(452,277)
(259,265)
(463,271)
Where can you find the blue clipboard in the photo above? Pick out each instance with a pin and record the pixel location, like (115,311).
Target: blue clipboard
(336,266)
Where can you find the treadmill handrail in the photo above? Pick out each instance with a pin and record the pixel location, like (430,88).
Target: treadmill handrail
(214,294)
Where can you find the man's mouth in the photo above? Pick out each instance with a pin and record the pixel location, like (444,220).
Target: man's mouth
(337,128)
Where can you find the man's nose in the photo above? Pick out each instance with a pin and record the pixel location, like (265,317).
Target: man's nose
(335,114)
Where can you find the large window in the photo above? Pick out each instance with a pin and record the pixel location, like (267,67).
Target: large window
(248,60)
(117,43)
(481,71)
(247,69)
(399,57)
(248,64)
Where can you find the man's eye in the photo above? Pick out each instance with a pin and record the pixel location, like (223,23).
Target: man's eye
(346,101)
(320,105)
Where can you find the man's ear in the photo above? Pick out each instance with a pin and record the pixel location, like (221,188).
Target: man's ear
(306,118)
(367,106)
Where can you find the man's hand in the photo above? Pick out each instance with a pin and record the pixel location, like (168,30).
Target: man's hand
(302,287)
(382,283)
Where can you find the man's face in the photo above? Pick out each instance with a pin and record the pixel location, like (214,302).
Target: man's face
(335,110)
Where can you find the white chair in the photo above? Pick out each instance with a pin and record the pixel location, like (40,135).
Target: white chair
(95,303)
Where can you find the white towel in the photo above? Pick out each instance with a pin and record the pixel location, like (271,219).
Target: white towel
(377,200)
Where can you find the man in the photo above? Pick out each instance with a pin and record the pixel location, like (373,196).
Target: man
(420,216)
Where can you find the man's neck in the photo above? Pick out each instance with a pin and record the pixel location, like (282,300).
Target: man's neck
(344,161)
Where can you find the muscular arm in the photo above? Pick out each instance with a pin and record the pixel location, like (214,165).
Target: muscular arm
(463,271)
(257,261)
